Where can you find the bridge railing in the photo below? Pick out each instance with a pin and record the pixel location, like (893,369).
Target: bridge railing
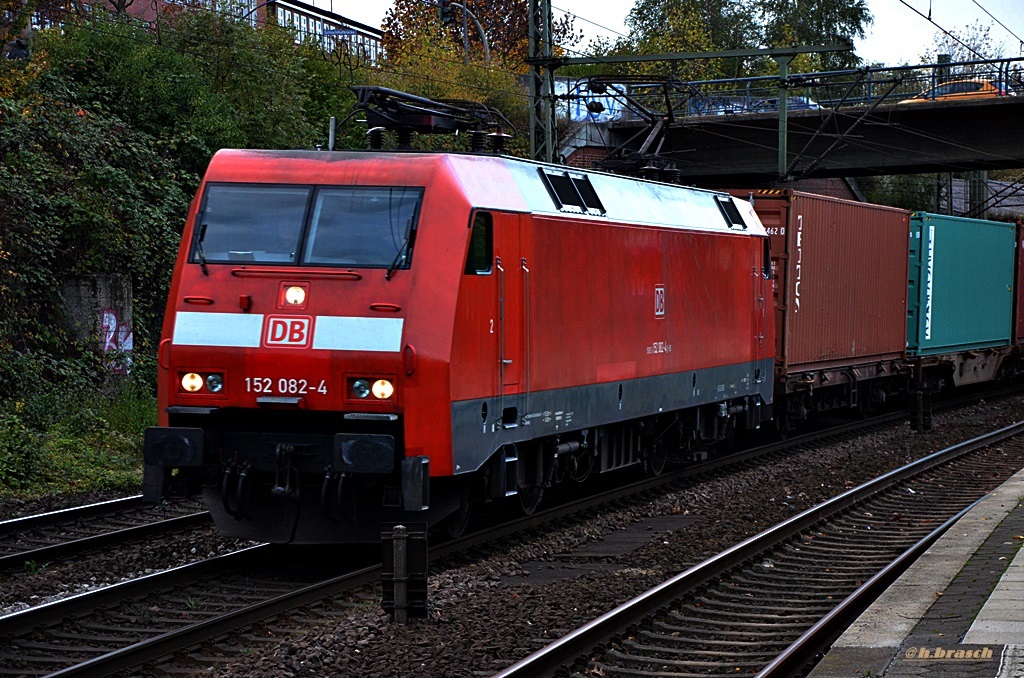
(814,91)
(894,84)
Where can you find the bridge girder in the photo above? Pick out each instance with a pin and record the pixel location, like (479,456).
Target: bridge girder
(939,136)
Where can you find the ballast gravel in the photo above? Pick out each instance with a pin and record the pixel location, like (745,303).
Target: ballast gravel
(483,618)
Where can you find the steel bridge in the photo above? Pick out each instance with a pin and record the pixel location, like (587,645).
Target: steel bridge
(850,123)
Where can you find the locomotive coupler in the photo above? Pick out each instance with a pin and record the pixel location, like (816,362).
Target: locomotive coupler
(235,490)
(335,496)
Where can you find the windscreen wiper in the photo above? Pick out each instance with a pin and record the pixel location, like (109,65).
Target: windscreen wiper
(199,249)
(402,253)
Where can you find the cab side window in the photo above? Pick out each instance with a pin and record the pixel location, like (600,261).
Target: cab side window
(481,245)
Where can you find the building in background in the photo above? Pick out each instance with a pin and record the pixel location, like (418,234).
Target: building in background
(333,32)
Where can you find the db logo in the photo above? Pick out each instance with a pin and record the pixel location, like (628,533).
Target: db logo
(659,301)
(288,331)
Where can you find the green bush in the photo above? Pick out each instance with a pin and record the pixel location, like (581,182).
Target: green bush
(16,459)
(103,136)
(72,429)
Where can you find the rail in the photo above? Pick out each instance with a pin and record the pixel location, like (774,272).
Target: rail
(69,514)
(582,640)
(109,657)
(128,652)
(75,546)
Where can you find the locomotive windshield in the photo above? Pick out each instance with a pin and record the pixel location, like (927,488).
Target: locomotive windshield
(352,226)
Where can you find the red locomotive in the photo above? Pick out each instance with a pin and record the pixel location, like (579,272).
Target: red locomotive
(359,337)
(365,337)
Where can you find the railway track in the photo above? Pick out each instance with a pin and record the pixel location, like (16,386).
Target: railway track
(143,620)
(804,580)
(149,621)
(68,532)
(125,625)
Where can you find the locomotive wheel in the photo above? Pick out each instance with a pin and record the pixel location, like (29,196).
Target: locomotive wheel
(654,462)
(529,499)
(454,526)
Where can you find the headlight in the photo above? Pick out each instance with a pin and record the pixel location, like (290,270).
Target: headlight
(382,389)
(191,382)
(361,388)
(214,383)
(295,295)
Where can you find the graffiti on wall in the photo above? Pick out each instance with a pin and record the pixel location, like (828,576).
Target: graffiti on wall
(117,339)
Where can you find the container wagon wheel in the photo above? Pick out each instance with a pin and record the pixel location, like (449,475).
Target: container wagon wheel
(782,427)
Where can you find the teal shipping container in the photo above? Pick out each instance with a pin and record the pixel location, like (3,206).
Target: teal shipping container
(961,276)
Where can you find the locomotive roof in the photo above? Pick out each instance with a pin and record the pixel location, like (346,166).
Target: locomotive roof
(487,182)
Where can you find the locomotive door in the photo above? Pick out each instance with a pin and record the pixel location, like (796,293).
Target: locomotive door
(513,285)
(762,294)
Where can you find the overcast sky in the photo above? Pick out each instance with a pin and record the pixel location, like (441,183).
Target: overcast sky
(898,35)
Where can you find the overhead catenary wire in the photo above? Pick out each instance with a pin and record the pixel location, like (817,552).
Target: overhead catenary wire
(589,21)
(996,198)
(1019,40)
(906,153)
(912,154)
(909,154)
(943,30)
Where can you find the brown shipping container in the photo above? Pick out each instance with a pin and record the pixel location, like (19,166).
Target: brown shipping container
(840,282)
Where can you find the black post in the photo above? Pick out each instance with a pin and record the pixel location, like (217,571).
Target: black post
(401,576)
(404,574)
(921,411)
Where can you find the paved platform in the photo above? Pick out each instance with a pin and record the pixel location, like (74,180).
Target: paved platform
(957,611)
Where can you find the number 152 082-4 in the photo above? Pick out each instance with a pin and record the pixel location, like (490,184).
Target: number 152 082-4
(284,386)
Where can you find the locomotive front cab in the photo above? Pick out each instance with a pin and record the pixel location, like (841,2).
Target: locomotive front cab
(283,369)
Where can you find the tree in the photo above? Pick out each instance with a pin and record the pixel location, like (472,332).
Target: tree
(710,25)
(104,136)
(970,44)
(747,24)
(83,193)
(684,30)
(788,22)
(504,22)
(202,81)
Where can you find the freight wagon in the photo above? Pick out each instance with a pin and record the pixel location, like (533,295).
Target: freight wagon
(960,315)
(839,271)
